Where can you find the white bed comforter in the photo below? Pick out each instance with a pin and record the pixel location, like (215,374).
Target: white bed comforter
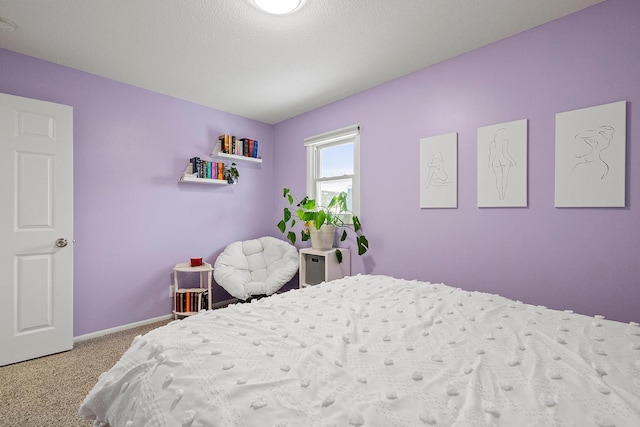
(376,351)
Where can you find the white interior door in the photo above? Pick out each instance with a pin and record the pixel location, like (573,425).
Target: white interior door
(36,228)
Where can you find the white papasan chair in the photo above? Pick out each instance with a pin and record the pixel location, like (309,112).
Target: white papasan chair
(257,267)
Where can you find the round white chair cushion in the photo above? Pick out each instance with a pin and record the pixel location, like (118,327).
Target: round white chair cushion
(255,267)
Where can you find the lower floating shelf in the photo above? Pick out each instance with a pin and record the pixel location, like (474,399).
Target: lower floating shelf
(196,180)
(187,176)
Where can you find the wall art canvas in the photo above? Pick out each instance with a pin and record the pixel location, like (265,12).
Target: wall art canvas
(502,165)
(439,171)
(591,156)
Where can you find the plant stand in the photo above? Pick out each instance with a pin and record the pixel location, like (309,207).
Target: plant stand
(322,266)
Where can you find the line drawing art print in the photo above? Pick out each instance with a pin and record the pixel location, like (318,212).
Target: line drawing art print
(436,172)
(502,165)
(596,140)
(439,171)
(590,168)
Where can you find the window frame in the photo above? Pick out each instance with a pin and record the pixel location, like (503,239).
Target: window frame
(349,134)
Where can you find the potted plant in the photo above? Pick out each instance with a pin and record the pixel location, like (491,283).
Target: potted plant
(317,220)
(232,174)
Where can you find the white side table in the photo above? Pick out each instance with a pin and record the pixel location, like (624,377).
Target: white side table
(205,271)
(322,266)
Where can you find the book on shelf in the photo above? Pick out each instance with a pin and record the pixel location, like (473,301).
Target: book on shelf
(195,165)
(224,143)
(191,300)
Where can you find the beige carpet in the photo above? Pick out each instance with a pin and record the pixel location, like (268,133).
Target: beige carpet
(48,391)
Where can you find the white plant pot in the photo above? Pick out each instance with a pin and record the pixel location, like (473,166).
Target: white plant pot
(322,240)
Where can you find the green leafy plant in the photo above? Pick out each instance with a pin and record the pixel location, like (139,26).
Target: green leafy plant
(308,213)
(232,174)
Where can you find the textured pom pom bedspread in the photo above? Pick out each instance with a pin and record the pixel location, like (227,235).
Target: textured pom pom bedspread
(376,351)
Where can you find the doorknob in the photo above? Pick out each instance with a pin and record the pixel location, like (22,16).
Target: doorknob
(61,242)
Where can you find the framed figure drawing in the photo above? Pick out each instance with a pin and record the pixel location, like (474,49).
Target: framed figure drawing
(502,165)
(439,171)
(591,156)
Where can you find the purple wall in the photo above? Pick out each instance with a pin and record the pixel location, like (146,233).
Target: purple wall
(581,259)
(133,221)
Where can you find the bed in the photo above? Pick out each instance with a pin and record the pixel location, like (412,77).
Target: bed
(376,351)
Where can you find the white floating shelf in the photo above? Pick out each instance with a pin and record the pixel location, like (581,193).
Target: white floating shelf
(191,177)
(203,180)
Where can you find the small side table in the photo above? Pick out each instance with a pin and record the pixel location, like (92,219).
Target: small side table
(205,271)
(322,266)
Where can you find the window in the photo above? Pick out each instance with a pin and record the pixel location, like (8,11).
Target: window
(333,166)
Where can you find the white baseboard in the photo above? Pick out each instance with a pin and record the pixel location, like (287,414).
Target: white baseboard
(97,334)
(121,328)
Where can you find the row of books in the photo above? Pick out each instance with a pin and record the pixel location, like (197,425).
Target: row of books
(207,169)
(246,147)
(192,300)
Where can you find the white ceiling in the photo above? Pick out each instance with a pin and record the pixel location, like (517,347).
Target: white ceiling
(228,55)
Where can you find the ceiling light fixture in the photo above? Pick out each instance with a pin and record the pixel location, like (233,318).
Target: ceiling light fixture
(278,7)
(7,25)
